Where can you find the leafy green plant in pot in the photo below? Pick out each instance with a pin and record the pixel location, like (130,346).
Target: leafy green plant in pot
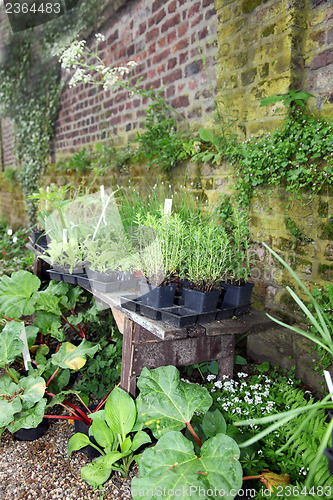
(238,288)
(23,399)
(116,435)
(159,240)
(206,261)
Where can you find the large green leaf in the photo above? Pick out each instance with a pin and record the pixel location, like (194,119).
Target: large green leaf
(49,323)
(98,471)
(213,423)
(31,332)
(173,465)
(33,389)
(70,356)
(166,403)
(120,412)
(139,439)
(8,405)
(17,294)
(78,441)
(101,432)
(48,302)
(28,418)
(10,343)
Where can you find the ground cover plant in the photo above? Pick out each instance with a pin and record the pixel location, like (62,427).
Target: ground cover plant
(13,253)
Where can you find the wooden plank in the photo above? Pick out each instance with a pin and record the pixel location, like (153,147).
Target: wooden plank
(128,379)
(183,352)
(226,327)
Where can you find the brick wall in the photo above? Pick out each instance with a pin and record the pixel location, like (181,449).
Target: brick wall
(319,54)
(161,37)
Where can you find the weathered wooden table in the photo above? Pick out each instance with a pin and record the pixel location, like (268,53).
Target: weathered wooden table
(152,343)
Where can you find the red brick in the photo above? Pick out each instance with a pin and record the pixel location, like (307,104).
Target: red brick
(203,33)
(171,77)
(152,34)
(151,74)
(172,63)
(160,56)
(151,48)
(171,90)
(142,28)
(182,30)
(206,3)
(323,59)
(196,21)
(161,15)
(180,102)
(172,6)
(194,9)
(157,5)
(170,23)
(161,69)
(183,57)
(182,44)
(112,38)
(172,36)
(162,42)
(210,13)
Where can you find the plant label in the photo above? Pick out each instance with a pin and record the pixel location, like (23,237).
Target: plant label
(329,382)
(167,206)
(25,352)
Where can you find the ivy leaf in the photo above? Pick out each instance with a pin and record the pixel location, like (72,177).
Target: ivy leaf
(166,403)
(17,294)
(10,343)
(173,464)
(70,356)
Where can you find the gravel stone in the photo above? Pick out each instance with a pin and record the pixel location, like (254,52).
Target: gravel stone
(40,469)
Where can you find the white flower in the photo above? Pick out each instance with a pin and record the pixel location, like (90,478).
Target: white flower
(10,232)
(15,239)
(100,37)
(211,377)
(218,384)
(132,63)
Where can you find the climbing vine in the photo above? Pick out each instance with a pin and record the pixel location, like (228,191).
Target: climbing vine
(30,88)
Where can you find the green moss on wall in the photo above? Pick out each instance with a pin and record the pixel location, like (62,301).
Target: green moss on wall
(327,229)
(250,5)
(323,208)
(269,30)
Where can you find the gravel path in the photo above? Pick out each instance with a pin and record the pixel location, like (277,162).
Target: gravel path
(40,469)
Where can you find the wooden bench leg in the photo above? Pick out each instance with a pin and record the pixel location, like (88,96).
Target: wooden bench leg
(128,379)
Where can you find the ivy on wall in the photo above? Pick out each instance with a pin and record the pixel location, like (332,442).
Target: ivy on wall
(30,88)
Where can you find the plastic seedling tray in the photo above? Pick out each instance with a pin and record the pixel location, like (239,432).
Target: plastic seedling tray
(129,284)
(225,312)
(150,312)
(206,317)
(246,308)
(179,316)
(101,286)
(55,275)
(70,278)
(83,281)
(130,303)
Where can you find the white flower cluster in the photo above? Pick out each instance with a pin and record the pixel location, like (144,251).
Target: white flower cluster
(71,56)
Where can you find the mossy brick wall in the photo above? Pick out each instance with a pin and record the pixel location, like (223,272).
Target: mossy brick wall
(161,37)
(7,159)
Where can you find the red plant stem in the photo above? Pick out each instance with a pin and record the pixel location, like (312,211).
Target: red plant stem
(194,434)
(72,327)
(10,319)
(52,376)
(49,394)
(251,477)
(82,332)
(69,417)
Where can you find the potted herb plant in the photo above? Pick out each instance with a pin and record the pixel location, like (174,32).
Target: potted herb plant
(238,288)
(159,241)
(206,261)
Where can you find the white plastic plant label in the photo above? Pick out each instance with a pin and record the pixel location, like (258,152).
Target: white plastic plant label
(25,352)
(167,206)
(64,236)
(329,382)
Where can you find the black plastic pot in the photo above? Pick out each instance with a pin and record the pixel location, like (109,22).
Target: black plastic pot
(225,312)
(130,303)
(32,433)
(83,280)
(157,297)
(179,317)
(150,312)
(238,295)
(106,277)
(200,301)
(206,317)
(70,278)
(38,237)
(104,286)
(80,426)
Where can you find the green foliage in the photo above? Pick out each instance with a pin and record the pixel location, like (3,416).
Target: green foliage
(324,297)
(14,255)
(161,142)
(102,371)
(114,431)
(295,231)
(293,97)
(297,156)
(166,404)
